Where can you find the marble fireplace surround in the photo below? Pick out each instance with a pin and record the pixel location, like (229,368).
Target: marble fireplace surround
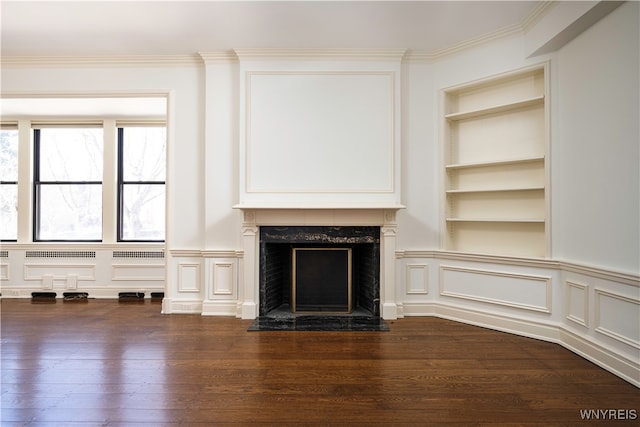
(255,217)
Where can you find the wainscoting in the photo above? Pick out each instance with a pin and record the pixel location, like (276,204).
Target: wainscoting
(592,312)
(100,271)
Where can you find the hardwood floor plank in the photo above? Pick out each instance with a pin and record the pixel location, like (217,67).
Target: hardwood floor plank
(111,364)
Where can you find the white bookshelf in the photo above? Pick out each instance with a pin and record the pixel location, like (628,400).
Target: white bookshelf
(495,143)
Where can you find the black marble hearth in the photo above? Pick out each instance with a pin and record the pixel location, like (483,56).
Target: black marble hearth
(320,323)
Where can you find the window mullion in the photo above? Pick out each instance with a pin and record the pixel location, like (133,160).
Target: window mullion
(109,183)
(25,181)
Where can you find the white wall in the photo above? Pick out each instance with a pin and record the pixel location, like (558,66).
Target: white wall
(595,133)
(183,84)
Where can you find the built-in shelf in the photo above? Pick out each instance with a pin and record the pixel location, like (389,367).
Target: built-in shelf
(533,220)
(524,103)
(495,145)
(494,190)
(495,163)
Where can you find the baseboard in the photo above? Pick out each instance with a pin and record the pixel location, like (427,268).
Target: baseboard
(172,306)
(219,308)
(606,358)
(625,368)
(93,293)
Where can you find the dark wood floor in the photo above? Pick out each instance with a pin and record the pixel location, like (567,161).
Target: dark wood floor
(106,363)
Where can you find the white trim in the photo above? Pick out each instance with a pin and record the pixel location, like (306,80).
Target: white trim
(182,267)
(604,331)
(186,306)
(392,143)
(116,267)
(58,267)
(585,290)
(425,279)
(545,279)
(4,271)
(321,54)
(219,308)
(101,61)
(599,272)
(218,286)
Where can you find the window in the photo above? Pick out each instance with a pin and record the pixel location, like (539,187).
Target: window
(9,183)
(141,183)
(68,163)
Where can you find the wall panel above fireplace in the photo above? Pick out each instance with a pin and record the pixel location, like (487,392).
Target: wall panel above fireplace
(319,131)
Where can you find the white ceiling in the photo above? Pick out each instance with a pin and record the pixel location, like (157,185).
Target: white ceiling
(89,27)
(122,28)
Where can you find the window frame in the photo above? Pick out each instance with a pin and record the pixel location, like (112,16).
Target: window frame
(37,186)
(11,126)
(121,183)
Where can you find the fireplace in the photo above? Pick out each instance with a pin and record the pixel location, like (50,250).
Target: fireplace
(320,269)
(321,280)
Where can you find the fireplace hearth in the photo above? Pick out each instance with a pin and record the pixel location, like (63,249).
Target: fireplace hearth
(319,269)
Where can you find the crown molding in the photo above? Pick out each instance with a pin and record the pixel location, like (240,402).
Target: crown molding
(218,57)
(101,61)
(433,56)
(536,14)
(231,56)
(321,54)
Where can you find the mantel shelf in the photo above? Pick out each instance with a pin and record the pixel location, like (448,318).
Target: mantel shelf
(538,100)
(495,163)
(316,206)
(494,190)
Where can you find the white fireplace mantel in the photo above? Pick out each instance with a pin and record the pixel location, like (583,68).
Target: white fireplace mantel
(255,216)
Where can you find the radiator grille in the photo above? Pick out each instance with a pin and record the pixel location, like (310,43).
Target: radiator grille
(60,254)
(138,254)
(4,254)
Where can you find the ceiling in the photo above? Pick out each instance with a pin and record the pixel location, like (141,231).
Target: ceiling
(63,28)
(123,28)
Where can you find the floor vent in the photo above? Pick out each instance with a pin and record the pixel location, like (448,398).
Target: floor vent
(43,297)
(60,254)
(138,254)
(131,297)
(75,296)
(157,295)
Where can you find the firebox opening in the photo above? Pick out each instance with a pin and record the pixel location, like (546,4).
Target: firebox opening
(321,280)
(340,270)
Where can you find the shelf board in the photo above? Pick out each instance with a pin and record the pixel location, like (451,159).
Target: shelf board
(494,190)
(531,220)
(496,163)
(495,109)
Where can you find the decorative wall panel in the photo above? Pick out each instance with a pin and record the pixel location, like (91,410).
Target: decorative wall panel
(59,271)
(152,272)
(188,277)
(319,132)
(223,278)
(523,291)
(577,303)
(617,317)
(417,279)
